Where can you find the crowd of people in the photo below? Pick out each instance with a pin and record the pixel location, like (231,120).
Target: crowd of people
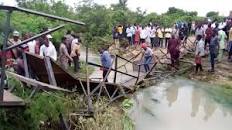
(69,50)
(153,34)
(212,39)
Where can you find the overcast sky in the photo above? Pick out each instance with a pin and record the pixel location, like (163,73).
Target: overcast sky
(161,6)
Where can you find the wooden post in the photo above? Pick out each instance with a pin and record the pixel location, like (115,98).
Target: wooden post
(64,124)
(146,76)
(51,76)
(25,65)
(5,39)
(115,67)
(138,75)
(90,104)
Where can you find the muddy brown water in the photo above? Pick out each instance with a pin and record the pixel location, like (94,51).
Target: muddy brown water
(180,104)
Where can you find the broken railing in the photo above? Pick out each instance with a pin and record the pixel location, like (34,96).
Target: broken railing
(6,32)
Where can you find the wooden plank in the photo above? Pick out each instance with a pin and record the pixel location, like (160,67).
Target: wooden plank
(36,83)
(115,67)
(112,69)
(10,100)
(50,72)
(63,78)
(25,65)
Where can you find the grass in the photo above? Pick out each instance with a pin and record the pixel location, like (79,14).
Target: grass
(221,93)
(42,111)
(83,70)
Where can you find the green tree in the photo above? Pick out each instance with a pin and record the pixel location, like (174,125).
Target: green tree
(212,14)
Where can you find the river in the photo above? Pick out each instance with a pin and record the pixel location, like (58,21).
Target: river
(181,104)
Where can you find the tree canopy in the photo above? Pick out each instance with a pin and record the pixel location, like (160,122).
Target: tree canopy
(99,19)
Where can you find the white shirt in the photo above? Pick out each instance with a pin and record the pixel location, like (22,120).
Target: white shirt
(148,52)
(31,46)
(143,34)
(148,31)
(153,33)
(129,32)
(48,51)
(200,48)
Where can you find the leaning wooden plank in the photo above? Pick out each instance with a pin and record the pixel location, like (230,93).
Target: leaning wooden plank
(10,100)
(36,83)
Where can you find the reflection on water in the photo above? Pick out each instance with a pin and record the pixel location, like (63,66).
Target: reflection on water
(179,105)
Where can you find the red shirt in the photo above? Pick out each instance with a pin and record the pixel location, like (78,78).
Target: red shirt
(209,33)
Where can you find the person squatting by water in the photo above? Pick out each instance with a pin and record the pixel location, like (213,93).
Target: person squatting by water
(148,56)
(106,62)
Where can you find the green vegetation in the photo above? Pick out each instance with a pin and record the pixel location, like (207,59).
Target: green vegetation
(43,109)
(222,93)
(99,19)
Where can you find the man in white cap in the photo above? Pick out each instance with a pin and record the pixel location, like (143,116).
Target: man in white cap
(48,49)
(15,40)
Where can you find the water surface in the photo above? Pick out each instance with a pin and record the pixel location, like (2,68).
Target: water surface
(181,104)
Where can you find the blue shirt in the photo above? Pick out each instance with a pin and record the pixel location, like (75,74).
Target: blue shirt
(106,59)
(213,44)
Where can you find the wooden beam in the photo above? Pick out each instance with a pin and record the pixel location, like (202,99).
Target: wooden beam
(12,8)
(130,60)
(36,83)
(3,58)
(51,76)
(90,63)
(125,59)
(151,70)
(64,124)
(25,65)
(34,37)
(115,67)
(103,82)
(10,100)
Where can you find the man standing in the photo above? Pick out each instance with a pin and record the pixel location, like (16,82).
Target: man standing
(208,35)
(115,37)
(152,36)
(222,43)
(143,35)
(31,45)
(213,46)
(230,44)
(173,49)
(148,56)
(106,62)
(64,56)
(69,38)
(129,35)
(15,40)
(200,52)
(48,49)
(75,53)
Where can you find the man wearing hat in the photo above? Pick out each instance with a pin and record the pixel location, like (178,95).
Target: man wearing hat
(148,55)
(15,40)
